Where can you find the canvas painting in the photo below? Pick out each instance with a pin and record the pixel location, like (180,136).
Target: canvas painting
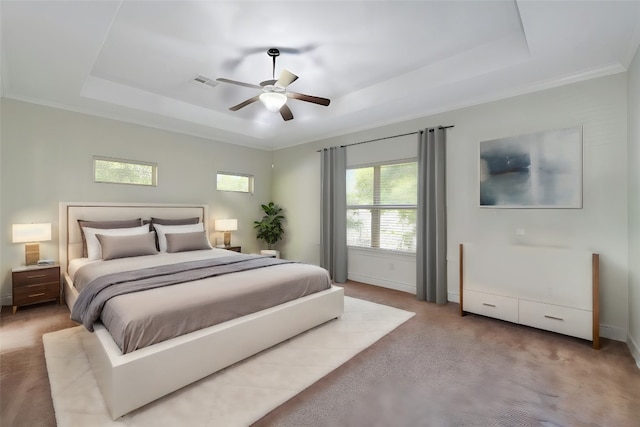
(540,170)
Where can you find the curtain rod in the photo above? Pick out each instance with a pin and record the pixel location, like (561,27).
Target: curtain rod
(389,137)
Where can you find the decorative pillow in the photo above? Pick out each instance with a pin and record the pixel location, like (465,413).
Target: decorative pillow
(127,246)
(163,221)
(183,242)
(182,221)
(94,251)
(163,230)
(127,223)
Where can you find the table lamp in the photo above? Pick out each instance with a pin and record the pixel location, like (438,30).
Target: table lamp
(31,234)
(226,225)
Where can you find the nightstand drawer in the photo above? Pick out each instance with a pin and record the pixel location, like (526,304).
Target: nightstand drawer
(36,293)
(26,278)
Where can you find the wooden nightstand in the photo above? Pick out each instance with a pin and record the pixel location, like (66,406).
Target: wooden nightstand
(233,248)
(35,284)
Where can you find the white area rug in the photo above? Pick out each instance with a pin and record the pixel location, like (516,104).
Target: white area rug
(236,396)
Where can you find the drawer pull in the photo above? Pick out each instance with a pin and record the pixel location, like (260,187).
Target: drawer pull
(553,317)
(37,276)
(36,295)
(489,305)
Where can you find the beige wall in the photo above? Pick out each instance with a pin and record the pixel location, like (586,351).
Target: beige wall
(46,153)
(46,157)
(598,105)
(633,99)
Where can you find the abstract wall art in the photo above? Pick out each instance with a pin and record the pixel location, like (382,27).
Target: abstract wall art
(540,170)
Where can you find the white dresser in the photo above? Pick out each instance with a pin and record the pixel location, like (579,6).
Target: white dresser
(548,288)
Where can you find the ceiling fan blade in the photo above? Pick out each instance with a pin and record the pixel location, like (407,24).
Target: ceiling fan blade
(309,98)
(286,113)
(286,78)
(234,82)
(245,103)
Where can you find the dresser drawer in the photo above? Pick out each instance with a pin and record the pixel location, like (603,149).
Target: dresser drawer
(497,306)
(564,320)
(26,278)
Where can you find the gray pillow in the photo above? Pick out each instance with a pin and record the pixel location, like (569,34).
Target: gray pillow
(127,246)
(127,223)
(182,242)
(181,221)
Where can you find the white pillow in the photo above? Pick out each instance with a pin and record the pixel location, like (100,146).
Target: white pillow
(94,250)
(163,230)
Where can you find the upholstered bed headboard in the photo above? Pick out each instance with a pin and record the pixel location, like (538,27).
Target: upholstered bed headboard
(70,246)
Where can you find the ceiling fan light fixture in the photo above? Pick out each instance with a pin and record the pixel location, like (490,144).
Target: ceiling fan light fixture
(273,100)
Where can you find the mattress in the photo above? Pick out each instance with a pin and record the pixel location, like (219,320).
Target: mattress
(137,320)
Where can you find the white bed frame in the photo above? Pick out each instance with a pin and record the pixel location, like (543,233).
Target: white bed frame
(132,380)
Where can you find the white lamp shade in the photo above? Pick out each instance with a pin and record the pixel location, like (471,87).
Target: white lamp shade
(226,224)
(273,100)
(26,233)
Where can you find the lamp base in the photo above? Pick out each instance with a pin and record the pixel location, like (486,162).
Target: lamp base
(227,238)
(31,253)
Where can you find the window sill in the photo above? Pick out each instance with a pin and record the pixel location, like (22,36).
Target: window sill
(382,252)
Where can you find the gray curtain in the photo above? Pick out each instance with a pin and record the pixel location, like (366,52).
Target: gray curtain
(431,250)
(333,239)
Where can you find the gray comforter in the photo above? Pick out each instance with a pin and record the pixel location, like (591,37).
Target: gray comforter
(147,316)
(88,307)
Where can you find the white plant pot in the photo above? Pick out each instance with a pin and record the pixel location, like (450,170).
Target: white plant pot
(270,252)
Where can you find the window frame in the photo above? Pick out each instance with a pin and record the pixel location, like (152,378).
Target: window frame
(154,170)
(251,182)
(376,208)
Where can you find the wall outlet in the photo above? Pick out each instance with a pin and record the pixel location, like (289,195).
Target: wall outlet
(520,232)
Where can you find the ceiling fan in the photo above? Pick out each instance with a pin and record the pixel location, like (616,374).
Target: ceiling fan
(274,92)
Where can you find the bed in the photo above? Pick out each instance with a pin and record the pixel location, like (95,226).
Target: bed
(127,370)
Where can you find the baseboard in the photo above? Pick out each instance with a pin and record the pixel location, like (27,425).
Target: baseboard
(6,300)
(613,333)
(453,297)
(389,284)
(635,349)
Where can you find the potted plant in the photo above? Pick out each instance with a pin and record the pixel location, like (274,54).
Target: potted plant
(270,227)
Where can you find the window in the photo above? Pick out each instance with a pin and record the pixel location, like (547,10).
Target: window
(234,182)
(382,206)
(118,171)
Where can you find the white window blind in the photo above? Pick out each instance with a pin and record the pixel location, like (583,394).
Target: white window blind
(119,171)
(382,205)
(234,182)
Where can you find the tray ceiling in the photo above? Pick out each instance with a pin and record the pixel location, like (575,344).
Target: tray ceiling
(378,61)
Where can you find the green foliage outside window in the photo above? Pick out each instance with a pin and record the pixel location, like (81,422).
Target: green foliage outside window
(234,182)
(382,206)
(118,171)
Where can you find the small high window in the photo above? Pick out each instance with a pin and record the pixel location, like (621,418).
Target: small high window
(119,171)
(240,183)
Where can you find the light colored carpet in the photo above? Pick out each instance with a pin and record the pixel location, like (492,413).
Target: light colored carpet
(236,396)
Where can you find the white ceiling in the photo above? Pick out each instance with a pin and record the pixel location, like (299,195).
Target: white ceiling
(378,61)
